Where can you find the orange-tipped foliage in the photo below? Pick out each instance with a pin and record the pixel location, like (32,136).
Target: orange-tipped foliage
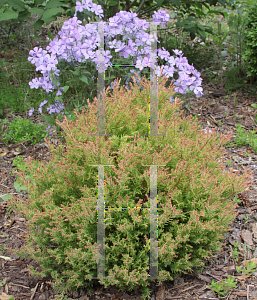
(195,205)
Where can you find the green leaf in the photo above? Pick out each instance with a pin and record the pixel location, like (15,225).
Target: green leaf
(84,79)
(76,72)
(176,2)
(49,13)
(254,105)
(192,35)
(179,24)
(87,73)
(53,18)
(38,24)
(223,2)
(6,197)
(3,2)
(202,34)
(213,12)
(159,2)
(8,14)
(66,87)
(112,3)
(24,15)
(36,10)
(18,187)
(53,4)
(200,27)
(38,2)
(50,120)
(17,4)
(199,12)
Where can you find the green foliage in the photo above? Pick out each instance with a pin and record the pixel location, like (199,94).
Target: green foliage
(244,138)
(189,11)
(233,79)
(250,267)
(235,251)
(22,130)
(250,53)
(194,195)
(224,287)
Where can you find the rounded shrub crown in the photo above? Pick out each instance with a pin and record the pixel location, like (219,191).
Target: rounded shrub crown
(194,194)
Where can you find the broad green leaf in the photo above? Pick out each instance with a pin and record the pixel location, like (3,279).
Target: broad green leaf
(224,14)
(53,18)
(17,4)
(112,3)
(202,34)
(53,4)
(58,98)
(176,2)
(190,18)
(192,35)
(38,2)
(179,24)
(223,2)
(84,79)
(87,73)
(49,13)
(159,2)
(38,24)
(76,72)
(66,87)
(19,187)
(50,120)
(36,10)
(8,14)
(213,12)
(3,2)
(23,15)
(201,27)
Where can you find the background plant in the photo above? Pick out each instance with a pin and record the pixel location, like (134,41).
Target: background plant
(245,137)
(250,267)
(22,130)
(50,72)
(223,287)
(62,202)
(49,11)
(249,55)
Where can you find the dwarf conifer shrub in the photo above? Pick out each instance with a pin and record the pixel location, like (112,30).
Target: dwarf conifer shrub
(194,194)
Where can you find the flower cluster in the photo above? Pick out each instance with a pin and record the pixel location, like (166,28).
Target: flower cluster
(77,43)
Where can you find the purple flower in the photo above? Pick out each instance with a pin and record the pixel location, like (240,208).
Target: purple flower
(40,107)
(78,43)
(31,111)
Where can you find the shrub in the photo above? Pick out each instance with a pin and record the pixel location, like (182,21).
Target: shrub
(194,194)
(250,53)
